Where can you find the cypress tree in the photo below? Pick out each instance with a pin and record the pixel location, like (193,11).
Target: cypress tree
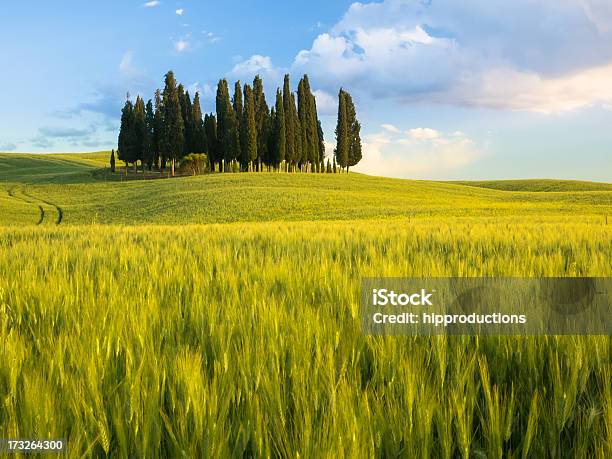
(263,121)
(307,109)
(126,141)
(174,132)
(158,131)
(271,144)
(289,123)
(297,132)
(248,133)
(320,138)
(140,131)
(215,153)
(112,161)
(303,114)
(342,132)
(150,133)
(188,120)
(227,127)
(237,105)
(199,133)
(354,128)
(280,145)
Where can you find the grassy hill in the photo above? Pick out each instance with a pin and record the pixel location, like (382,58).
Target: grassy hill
(539,185)
(219,316)
(71,187)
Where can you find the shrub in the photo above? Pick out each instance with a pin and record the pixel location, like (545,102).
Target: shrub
(195,164)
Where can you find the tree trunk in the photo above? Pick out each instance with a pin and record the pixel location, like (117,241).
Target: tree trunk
(172,167)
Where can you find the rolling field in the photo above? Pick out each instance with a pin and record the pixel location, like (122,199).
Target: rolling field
(218,316)
(70,185)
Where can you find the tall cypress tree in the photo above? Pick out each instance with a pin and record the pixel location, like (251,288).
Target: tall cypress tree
(314,132)
(297,132)
(280,141)
(227,126)
(354,129)
(174,132)
(158,132)
(271,144)
(262,120)
(150,133)
(112,161)
(140,131)
(127,141)
(215,153)
(342,132)
(307,110)
(289,122)
(303,114)
(199,133)
(248,133)
(237,105)
(321,145)
(188,120)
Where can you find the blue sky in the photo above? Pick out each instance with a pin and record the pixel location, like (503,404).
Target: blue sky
(445,90)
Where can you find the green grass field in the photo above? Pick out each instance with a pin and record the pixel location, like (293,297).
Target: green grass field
(218,316)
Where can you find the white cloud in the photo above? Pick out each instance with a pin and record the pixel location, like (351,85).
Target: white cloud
(181,46)
(326,103)
(152,4)
(256,64)
(432,52)
(390,128)
(180,11)
(423,133)
(516,90)
(421,157)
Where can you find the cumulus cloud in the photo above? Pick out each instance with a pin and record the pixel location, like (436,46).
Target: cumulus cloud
(505,88)
(417,153)
(257,64)
(431,51)
(326,103)
(179,12)
(152,4)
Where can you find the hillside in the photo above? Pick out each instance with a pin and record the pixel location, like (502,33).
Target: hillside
(70,189)
(539,185)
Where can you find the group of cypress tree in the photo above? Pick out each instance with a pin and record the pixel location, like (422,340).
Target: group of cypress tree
(244,134)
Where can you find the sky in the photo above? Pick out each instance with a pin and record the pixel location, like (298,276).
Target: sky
(478,89)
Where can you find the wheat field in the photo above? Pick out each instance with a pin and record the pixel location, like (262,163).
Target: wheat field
(243,339)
